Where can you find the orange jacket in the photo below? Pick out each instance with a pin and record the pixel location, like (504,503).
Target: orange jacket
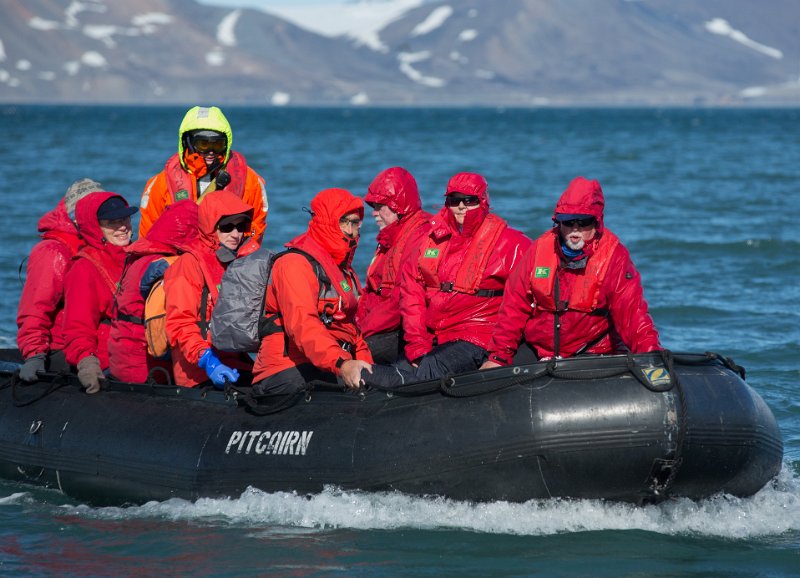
(294,295)
(164,189)
(184,281)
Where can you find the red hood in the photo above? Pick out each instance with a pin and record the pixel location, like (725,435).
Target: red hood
(582,197)
(57,220)
(328,207)
(397,189)
(86,217)
(470,184)
(174,231)
(213,207)
(467,184)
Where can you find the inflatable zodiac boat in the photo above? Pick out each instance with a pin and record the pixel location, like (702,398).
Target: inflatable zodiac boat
(638,428)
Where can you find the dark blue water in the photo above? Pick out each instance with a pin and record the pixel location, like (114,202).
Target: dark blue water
(706,201)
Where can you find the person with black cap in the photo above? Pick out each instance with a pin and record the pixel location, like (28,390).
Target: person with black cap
(576,290)
(206,162)
(191,286)
(40,317)
(104,222)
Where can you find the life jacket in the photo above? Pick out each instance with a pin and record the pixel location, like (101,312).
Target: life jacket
(470,273)
(104,264)
(586,287)
(182,185)
(395,253)
(73,242)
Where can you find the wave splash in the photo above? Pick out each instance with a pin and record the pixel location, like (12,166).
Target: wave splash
(773,511)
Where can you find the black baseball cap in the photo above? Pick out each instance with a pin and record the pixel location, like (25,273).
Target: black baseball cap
(115,208)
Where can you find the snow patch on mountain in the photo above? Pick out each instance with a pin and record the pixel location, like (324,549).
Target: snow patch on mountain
(721,27)
(434,20)
(226,29)
(360,21)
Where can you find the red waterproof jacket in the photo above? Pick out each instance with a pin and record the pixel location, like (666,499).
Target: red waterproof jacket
(428,311)
(379,306)
(90,285)
(40,317)
(184,281)
(171,234)
(294,294)
(601,306)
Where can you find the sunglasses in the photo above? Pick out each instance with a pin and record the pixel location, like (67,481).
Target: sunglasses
(456,200)
(204,145)
(241,226)
(579,222)
(353,222)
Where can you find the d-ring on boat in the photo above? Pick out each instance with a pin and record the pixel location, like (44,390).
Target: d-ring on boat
(635,428)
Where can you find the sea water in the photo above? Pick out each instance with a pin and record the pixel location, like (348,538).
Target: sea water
(705,200)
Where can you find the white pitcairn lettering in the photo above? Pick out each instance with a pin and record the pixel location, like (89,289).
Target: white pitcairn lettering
(292,443)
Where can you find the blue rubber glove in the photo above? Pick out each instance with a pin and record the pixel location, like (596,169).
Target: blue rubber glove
(217,371)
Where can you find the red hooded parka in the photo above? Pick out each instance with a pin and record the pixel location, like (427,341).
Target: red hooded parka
(90,285)
(609,283)
(183,285)
(171,234)
(483,250)
(294,294)
(379,306)
(40,317)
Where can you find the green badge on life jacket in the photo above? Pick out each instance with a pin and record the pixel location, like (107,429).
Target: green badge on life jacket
(431,253)
(541,272)
(182,195)
(346,286)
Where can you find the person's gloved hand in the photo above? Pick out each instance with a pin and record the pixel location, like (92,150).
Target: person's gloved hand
(217,371)
(32,365)
(90,373)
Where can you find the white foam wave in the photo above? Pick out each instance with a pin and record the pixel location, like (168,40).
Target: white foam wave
(774,510)
(15,498)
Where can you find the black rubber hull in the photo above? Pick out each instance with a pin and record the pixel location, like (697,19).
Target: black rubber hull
(594,437)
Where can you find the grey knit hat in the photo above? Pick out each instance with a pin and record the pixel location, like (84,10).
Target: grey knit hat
(77,191)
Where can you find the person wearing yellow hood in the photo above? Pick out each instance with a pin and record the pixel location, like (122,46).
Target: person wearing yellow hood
(206,162)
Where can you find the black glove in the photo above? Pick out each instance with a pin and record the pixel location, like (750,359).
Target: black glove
(33,365)
(223,179)
(90,373)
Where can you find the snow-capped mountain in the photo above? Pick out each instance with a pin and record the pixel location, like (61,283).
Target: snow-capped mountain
(403,52)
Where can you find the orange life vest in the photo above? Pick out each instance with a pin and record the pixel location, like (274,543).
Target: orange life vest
(586,288)
(182,185)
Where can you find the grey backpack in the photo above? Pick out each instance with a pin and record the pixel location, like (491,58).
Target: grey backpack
(238,322)
(240,303)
